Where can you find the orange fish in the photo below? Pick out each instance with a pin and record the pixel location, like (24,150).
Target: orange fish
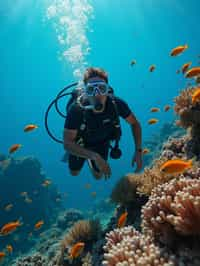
(122,220)
(30,128)
(175,166)
(2,255)
(46,183)
(193,72)
(185,67)
(9,248)
(178,50)
(76,250)
(14,148)
(196,96)
(38,225)
(9,227)
(155,109)
(166,108)
(145,151)
(133,62)
(8,207)
(151,68)
(152,121)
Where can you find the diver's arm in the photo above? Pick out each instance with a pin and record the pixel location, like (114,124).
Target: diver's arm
(136,130)
(69,137)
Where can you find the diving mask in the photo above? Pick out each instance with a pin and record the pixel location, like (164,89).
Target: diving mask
(98,87)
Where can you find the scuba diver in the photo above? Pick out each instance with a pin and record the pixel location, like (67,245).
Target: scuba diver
(92,123)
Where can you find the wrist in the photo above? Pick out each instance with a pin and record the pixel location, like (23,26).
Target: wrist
(93,156)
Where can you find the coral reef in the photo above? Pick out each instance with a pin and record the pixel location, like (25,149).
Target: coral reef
(189,113)
(21,190)
(127,246)
(173,210)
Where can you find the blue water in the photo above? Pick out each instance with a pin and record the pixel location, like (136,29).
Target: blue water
(31,75)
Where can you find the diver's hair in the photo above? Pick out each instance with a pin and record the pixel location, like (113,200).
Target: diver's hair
(92,72)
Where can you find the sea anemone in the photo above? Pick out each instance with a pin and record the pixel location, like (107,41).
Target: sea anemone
(124,191)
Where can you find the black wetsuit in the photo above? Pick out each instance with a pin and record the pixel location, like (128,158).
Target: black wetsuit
(99,135)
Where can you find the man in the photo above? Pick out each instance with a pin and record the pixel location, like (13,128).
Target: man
(94,145)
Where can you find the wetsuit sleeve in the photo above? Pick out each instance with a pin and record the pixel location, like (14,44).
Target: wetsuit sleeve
(122,107)
(74,118)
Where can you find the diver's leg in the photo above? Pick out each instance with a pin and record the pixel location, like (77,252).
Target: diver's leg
(75,164)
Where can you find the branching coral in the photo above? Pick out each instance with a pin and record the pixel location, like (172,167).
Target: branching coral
(173,209)
(127,246)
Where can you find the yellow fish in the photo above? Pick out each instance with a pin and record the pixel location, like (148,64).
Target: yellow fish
(166,108)
(175,166)
(9,248)
(145,151)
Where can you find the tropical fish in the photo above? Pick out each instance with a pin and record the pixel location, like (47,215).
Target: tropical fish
(193,72)
(175,166)
(14,148)
(76,250)
(122,220)
(145,151)
(185,67)
(166,108)
(2,255)
(10,227)
(151,68)
(8,207)
(196,96)
(133,62)
(178,50)
(177,71)
(9,248)
(152,121)
(30,128)
(155,109)
(38,225)
(46,183)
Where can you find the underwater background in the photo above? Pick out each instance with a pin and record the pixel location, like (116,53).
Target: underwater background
(46,45)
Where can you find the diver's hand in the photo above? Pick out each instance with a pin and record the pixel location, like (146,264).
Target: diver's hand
(137,158)
(102,165)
